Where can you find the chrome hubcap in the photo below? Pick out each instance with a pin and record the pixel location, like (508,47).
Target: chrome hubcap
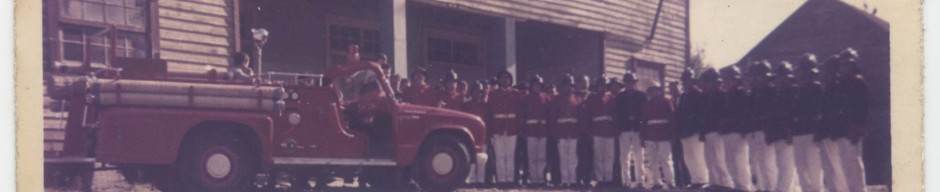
(442,163)
(218,165)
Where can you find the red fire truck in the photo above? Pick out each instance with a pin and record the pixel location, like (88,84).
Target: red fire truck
(210,134)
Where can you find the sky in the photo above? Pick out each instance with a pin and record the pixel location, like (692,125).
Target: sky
(727,29)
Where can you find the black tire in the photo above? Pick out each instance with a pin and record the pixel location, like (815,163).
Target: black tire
(217,161)
(447,150)
(77,176)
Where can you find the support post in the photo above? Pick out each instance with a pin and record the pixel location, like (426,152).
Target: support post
(505,49)
(394,38)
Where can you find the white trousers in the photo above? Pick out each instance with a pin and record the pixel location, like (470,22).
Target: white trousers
(715,158)
(736,153)
(505,148)
(786,180)
(604,158)
(631,154)
(808,162)
(568,160)
(537,159)
(660,170)
(478,171)
(854,168)
(835,177)
(694,152)
(763,161)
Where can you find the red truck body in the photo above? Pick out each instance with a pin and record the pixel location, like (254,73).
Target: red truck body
(312,128)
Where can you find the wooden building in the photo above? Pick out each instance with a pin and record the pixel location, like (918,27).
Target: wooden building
(476,38)
(824,28)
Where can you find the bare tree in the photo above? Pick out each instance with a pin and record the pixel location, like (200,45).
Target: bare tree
(697,61)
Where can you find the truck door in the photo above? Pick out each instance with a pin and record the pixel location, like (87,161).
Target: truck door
(322,129)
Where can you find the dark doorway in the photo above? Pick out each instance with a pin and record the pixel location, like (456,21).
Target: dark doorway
(554,50)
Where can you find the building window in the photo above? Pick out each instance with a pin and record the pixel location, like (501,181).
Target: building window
(342,36)
(649,73)
(452,52)
(86,22)
(126,13)
(74,38)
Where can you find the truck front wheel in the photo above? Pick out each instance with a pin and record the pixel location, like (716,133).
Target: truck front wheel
(218,161)
(443,164)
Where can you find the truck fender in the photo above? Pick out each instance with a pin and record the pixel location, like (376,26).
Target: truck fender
(408,152)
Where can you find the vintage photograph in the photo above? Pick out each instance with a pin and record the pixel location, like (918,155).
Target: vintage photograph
(466,95)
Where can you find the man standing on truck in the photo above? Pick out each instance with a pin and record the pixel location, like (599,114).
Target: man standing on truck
(364,84)
(564,113)
(535,110)
(504,106)
(628,105)
(240,70)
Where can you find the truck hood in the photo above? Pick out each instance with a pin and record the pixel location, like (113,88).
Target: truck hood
(436,111)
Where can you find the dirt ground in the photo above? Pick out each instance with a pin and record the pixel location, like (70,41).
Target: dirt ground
(112,181)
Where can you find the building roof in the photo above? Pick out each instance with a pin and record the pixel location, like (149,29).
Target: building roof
(819,18)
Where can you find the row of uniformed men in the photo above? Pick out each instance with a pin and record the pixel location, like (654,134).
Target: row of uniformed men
(737,131)
(732,130)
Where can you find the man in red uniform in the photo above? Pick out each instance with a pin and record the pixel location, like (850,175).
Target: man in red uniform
(551,146)
(452,97)
(629,103)
(657,130)
(477,106)
(504,106)
(585,142)
(600,110)
(534,113)
(564,113)
(420,92)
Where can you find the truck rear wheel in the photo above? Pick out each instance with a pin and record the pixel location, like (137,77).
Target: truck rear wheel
(218,161)
(443,164)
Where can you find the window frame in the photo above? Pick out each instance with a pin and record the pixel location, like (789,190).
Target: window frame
(55,23)
(335,20)
(479,42)
(658,67)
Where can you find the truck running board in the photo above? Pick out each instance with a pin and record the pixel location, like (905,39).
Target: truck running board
(70,160)
(332,161)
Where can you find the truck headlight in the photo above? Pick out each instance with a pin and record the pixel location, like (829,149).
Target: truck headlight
(293,119)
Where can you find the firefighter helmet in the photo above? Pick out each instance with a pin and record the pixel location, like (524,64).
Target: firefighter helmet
(710,75)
